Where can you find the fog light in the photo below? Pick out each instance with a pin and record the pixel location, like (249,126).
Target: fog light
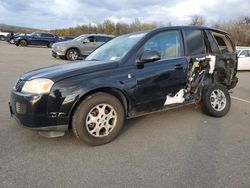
(20,108)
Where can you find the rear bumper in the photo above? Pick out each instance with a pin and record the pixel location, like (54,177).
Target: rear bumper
(30,111)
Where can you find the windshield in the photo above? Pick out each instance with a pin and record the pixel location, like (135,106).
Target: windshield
(116,48)
(238,51)
(79,38)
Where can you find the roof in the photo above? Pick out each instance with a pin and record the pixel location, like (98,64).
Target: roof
(192,27)
(97,34)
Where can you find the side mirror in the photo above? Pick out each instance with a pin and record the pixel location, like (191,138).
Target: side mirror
(242,56)
(148,56)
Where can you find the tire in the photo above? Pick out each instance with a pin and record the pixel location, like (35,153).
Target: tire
(12,41)
(72,54)
(105,125)
(50,44)
(2,38)
(23,43)
(216,100)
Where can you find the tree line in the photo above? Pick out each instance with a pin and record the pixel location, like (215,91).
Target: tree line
(107,27)
(239,29)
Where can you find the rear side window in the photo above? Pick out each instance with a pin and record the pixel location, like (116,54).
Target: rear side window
(102,39)
(223,43)
(194,42)
(47,35)
(167,44)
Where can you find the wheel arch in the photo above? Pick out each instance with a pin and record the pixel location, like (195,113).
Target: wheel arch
(118,93)
(24,40)
(75,48)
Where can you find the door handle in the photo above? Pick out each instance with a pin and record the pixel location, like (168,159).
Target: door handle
(178,67)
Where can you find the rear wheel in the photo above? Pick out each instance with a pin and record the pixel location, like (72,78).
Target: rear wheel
(50,44)
(23,43)
(98,119)
(72,54)
(216,100)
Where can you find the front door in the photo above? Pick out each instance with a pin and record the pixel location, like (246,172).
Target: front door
(36,39)
(162,78)
(88,45)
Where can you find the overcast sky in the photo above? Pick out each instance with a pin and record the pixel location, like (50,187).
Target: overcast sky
(50,14)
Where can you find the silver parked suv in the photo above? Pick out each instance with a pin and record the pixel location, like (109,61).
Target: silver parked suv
(81,46)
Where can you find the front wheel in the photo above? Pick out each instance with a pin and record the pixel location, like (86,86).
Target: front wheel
(216,100)
(98,119)
(12,41)
(23,43)
(72,54)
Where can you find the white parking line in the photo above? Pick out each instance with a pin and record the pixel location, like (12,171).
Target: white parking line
(239,99)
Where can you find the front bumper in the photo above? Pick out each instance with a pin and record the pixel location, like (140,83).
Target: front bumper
(30,111)
(58,54)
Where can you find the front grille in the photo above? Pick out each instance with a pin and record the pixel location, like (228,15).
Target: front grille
(19,85)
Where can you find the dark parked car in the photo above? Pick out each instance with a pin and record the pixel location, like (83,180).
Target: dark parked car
(12,37)
(81,46)
(37,38)
(129,76)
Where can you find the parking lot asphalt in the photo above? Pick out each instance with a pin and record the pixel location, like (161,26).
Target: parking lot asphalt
(176,148)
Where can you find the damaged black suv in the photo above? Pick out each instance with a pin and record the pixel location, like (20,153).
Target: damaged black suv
(131,75)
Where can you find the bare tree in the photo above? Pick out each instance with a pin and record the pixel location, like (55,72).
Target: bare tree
(197,20)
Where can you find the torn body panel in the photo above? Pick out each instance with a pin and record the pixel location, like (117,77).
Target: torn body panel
(178,98)
(200,74)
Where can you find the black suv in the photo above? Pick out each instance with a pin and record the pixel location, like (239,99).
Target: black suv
(37,38)
(129,76)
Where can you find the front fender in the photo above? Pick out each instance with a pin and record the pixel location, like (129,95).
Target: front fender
(65,94)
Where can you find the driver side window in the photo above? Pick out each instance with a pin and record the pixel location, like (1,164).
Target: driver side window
(167,44)
(89,39)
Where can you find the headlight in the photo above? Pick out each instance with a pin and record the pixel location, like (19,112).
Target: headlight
(60,48)
(38,86)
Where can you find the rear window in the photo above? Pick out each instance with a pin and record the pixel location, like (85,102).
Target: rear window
(194,42)
(47,35)
(103,39)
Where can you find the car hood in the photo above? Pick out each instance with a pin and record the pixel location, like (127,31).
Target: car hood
(59,72)
(24,36)
(66,43)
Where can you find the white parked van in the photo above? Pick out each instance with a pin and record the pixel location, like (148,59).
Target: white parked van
(244,58)
(3,36)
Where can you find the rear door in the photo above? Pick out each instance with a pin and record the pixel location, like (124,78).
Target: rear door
(166,76)
(226,55)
